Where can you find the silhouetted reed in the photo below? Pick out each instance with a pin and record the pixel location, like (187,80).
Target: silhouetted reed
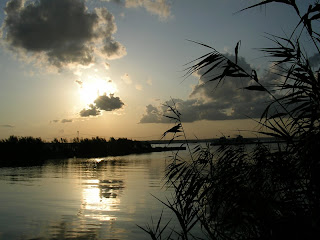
(257,193)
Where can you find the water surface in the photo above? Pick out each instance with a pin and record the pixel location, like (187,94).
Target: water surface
(97,198)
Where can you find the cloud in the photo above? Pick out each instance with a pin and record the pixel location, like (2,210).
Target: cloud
(108,103)
(91,111)
(66,120)
(228,101)
(192,110)
(139,87)
(62,30)
(80,83)
(62,121)
(107,65)
(161,8)
(102,103)
(149,81)
(126,78)
(7,126)
(154,115)
(113,49)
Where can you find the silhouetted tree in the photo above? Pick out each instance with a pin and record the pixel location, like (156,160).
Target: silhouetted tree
(19,151)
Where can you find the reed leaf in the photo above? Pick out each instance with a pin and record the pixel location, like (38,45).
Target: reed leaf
(255,88)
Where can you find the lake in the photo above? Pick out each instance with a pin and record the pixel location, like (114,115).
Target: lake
(96,198)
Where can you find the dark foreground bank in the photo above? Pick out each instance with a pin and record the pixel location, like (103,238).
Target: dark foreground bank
(24,151)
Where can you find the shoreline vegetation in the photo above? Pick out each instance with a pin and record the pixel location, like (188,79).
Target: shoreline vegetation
(239,140)
(28,151)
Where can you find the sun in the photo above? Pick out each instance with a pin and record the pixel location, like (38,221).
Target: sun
(93,87)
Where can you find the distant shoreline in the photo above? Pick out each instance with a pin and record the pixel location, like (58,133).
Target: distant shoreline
(29,151)
(220,141)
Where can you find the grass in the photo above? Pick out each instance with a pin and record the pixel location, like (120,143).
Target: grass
(239,193)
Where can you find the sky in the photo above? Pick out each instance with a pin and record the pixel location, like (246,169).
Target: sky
(106,67)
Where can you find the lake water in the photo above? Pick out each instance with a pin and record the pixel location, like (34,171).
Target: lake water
(97,198)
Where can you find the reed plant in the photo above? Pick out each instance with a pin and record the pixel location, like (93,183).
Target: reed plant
(257,193)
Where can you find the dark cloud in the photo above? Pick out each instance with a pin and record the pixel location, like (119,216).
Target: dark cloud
(194,110)
(91,111)
(108,103)
(113,49)
(66,120)
(208,102)
(62,121)
(102,103)
(13,6)
(64,30)
(154,115)
(7,126)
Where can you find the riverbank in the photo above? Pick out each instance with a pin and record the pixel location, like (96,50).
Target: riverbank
(26,151)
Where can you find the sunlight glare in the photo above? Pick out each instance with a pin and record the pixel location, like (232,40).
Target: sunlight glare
(95,205)
(93,87)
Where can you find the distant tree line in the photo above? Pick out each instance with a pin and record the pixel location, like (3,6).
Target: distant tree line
(20,151)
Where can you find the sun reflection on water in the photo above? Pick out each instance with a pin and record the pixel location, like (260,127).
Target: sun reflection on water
(100,199)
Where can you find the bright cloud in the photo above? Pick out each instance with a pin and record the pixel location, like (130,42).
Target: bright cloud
(107,65)
(139,87)
(149,81)
(126,78)
(161,8)
(79,82)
